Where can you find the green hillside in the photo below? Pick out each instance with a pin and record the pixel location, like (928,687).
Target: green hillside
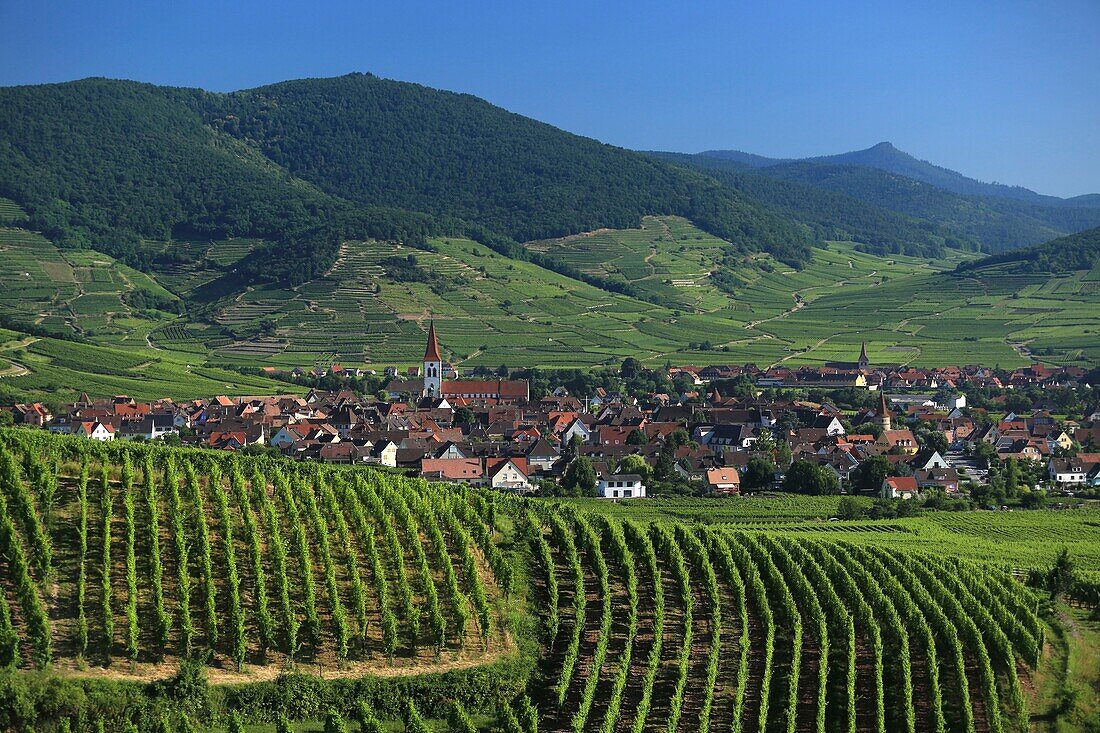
(309,163)
(893,206)
(835,215)
(998,223)
(1079,251)
(372,306)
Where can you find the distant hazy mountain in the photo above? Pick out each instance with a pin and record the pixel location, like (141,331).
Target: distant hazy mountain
(886,157)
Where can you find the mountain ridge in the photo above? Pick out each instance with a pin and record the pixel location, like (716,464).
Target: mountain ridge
(885,156)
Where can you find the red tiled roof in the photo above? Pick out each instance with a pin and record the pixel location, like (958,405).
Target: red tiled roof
(902,483)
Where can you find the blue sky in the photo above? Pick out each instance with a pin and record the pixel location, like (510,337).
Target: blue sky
(1006,91)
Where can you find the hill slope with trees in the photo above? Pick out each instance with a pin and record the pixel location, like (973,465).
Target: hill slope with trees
(107,164)
(1079,251)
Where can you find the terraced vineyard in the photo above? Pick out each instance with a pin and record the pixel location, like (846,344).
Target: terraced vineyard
(81,291)
(491,309)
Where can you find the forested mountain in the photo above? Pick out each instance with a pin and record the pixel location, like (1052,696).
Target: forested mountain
(107,164)
(1079,251)
(377,141)
(885,157)
(989,223)
(998,223)
(835,215)
(303,164)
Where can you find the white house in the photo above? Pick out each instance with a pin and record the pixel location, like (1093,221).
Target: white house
(1067,470)
(384,453)
(577,427)
(508,476)
(621,486)
(95,431)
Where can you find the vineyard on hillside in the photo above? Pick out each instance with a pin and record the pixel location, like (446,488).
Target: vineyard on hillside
(313,587)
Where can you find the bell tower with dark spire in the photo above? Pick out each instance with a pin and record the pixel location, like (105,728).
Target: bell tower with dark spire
(433,365)
(863,362)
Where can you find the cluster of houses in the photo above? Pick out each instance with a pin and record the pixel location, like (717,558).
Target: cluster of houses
(492,434)
(861,374)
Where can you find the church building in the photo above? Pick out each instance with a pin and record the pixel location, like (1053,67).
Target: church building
(457,391)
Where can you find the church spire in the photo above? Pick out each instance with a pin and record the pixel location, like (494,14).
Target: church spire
(863,360)
(433,365)
(432,351)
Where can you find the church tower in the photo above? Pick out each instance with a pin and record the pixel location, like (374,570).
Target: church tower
(433,365)
(863,362)
(883,416)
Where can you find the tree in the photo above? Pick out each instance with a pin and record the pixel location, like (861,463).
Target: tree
(677,438)
(1011,476)
(630,369)
(282,724)
(636,437)
(236,725)
(579,478)
(1062,575)
(573,448)
(1018,403)
(849,508)
(759,473)
(804,477)
(870,474)
(666,465)
(936,440)
(635,464)
(765,441)
(464,416)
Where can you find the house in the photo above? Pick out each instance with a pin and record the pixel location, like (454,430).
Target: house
(95,430)
(898,441)
(726,437)
(542,456)
(288,435)
(946,479)
(33,414)
(927,459)
(621,486)
(508,474)
(1068,470)
(384,453)
(577,427)
(899,487)
(151,427)
(725,481)
(452,469)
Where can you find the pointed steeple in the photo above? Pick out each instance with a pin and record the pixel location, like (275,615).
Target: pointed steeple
(883,417)
(863,360)
(432,352)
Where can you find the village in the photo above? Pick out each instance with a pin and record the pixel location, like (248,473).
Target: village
(891,433)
